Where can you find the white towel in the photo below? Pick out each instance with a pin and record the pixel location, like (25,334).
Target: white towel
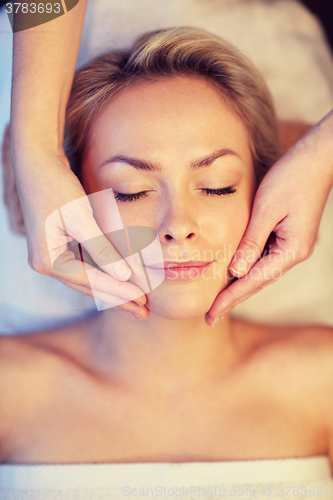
(274,478)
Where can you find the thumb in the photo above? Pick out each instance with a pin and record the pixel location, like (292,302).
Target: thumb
(252,244)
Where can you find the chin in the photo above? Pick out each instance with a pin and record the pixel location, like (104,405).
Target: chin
(180,303)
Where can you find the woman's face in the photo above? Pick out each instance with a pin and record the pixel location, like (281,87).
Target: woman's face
(198,181)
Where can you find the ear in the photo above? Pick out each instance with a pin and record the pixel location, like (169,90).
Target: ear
(10,194)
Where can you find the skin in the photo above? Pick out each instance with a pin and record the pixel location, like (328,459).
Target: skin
(182,124)
(169,388)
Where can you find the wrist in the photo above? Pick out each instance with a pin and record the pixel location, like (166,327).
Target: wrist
(315,149)
(34,155)
(34,131)
(35,141)
(324,144)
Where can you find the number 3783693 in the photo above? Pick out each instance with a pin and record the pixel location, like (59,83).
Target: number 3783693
(32,8)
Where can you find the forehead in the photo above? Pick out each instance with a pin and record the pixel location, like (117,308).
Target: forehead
(181,113)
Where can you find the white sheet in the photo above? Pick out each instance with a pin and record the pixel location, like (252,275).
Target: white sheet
(273,478)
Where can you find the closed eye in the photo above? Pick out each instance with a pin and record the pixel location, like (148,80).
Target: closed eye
(144,194)
(220,192)
(131,197)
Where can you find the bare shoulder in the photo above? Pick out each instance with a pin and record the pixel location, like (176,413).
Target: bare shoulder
(300,361)
(17,356)
(306,342)
(293,358)
(311,344)
(15,369)
(30,368)
(305,349)
(26,355)
(318,347)
(302,357)
(22,368)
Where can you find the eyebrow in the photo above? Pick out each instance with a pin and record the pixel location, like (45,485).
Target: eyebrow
(152,167)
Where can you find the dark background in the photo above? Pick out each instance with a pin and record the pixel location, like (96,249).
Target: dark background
(323,9)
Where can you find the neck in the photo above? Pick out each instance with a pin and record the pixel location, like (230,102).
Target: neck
(159,354)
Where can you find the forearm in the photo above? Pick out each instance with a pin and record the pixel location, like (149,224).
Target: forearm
(325,143)
(44,61)
(315,149)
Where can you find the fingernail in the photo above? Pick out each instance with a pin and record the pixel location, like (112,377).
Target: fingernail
(136,315)
(122,271)
(140,301)
(239,267)
(216,320)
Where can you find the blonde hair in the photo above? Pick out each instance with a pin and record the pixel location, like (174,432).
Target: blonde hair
(171,52)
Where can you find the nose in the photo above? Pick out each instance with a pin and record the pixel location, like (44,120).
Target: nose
(179,223)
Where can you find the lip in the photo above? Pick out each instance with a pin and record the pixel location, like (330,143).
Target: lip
(179,264)
(181,270)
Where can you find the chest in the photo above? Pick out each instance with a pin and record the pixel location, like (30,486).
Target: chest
(246,418)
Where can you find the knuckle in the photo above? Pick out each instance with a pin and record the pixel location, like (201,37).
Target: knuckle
(252,245)
(311,250)
(263,208)
(37,265)
(303,253)
(231,294)
(40,261)
(103,256)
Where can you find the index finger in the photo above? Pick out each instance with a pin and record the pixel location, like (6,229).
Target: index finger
(263,273)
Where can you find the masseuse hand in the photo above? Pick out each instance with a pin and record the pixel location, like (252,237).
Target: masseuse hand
(289,203)
(43,195)
(44,60)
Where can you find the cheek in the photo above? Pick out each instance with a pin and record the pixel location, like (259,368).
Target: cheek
(230,224)
(231,221)
(138,213)
(231,234)
(242,210)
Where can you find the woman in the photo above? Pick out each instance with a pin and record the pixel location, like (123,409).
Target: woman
(182,128)
(43,68)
